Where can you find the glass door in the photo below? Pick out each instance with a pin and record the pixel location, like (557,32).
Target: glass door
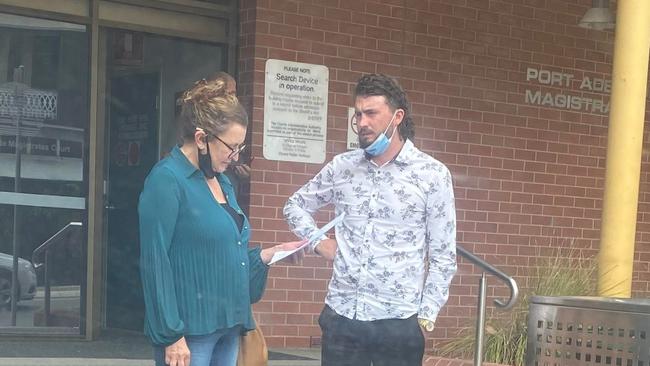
(145,74)
(44,119)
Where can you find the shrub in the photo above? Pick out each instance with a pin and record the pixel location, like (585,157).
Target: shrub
(565,273)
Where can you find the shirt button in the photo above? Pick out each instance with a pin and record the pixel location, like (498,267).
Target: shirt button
(243,264)
(239,242)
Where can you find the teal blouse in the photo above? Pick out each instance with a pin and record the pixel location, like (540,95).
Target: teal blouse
(198,273)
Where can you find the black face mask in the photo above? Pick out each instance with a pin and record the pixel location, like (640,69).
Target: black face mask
(205,163)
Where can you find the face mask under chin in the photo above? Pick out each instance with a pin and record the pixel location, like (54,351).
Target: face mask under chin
(381,143)
(205,163)
(379,146)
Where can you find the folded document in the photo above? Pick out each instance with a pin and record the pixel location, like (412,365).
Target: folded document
(314,237)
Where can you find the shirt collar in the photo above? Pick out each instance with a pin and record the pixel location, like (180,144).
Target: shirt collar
(182,162)
(403,156)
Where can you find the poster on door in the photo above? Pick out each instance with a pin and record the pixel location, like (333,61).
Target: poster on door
(295,111)
(133,130)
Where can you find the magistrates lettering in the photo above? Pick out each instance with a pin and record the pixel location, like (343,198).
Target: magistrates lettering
(565,100)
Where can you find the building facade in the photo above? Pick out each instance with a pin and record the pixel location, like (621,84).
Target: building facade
(512,95)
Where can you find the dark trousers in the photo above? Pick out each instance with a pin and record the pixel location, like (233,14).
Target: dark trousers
(389,342)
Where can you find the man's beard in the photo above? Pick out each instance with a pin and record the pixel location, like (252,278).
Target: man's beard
(365,141)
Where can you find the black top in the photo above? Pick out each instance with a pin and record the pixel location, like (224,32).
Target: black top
(239,219)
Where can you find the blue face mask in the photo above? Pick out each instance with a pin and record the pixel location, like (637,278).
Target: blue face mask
(381,143)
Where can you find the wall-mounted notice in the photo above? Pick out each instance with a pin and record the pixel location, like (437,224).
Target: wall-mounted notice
(295,111)
(353,132)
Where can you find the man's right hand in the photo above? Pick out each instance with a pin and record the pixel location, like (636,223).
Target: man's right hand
(177,354)
(326,249)
(243,171)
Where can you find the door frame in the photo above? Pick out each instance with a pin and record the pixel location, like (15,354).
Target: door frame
(103,145)
(187,19)
(108,144)
(107,177)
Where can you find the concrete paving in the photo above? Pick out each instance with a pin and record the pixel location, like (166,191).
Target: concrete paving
(112,348)
(312,358)
(116,348)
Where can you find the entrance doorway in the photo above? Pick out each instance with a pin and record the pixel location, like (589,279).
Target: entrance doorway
(134,115)
(145,74)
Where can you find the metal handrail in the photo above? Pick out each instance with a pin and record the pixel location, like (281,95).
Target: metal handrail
(487,267)
(482,296)
(46,247)
(51,241)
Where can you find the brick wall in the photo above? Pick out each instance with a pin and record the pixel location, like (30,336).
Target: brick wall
(527,177)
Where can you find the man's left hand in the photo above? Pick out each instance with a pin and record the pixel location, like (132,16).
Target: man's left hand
(426,326)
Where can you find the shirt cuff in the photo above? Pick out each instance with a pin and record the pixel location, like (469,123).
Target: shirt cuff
(314,244)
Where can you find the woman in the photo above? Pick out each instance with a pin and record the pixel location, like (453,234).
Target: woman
(199,276)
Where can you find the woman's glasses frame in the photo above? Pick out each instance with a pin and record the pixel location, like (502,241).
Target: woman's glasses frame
(233,151)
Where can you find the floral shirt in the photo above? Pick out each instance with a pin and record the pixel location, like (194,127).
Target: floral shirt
(396,251)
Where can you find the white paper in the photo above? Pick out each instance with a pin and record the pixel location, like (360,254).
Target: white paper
(314,237)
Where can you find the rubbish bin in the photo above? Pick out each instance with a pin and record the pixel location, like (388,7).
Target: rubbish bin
(577,331)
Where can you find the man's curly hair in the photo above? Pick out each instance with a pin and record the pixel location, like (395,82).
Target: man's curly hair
(384,85)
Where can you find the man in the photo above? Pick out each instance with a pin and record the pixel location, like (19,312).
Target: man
(395,251)
(238,170)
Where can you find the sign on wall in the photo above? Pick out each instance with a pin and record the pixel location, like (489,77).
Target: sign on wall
(353,132)
(566,100)
(295,111)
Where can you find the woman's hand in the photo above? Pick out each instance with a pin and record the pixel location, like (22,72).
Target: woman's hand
(268,253)
(177,354)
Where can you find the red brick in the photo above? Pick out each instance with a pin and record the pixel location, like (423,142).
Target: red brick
(463,64)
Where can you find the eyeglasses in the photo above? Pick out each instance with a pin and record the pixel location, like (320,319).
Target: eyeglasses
(233,151)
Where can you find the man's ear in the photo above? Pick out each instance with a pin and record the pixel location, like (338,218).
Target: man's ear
(399,116)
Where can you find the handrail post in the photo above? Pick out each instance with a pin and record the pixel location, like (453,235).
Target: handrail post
(480,320)
(46,247)
(47,288)
(482,298)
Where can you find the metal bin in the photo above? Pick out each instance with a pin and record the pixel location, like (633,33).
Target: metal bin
(577,331)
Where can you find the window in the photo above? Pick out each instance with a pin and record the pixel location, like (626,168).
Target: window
(44,120)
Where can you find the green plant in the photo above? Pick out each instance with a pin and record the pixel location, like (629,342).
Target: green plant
(565,273)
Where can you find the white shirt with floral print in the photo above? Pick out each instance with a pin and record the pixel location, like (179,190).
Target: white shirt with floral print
(398,217)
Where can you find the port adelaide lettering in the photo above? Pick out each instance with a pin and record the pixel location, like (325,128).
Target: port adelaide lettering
(582,100)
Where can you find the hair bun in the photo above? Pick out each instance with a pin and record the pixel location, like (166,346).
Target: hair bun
(203,91)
